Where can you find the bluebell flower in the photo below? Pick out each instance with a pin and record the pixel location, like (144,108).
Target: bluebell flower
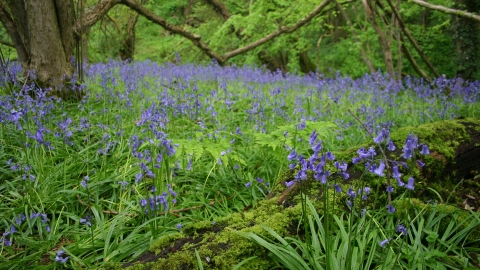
(313,138)
(391,209)
(425,150)
(85,181)
(397,175)
(47,229)
(19,219)
(179,226)
(420,163)
(302,125)
(363,212)
(380,169)
(391,146)
(248,184)
(289,183)
(330,156)
(390,189)
(410,184)
(401,229)
(86,221)
(385,242)
(338,188)
(61,256)
(351,193)
(292,156)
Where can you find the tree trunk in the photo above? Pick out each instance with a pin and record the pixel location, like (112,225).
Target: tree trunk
(43,37)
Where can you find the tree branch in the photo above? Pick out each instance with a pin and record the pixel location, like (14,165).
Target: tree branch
(219,8)
(12,31)
(6,43)
(280,31)
(443,9)
(93,15)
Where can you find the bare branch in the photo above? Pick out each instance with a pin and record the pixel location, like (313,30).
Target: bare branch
(219,8)
(452,11)
(194,38)
(93,15)
(12,31)
(6,43)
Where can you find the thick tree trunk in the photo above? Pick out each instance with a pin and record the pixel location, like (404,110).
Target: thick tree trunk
(42,32)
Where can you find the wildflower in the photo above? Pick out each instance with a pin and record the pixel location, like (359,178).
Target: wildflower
(390,189)
(289,183)
(292,156)
(248,184)
(379,170)
(351,193)
(384,242)
(302,125)
(391,209)
(123,184)
(47,228)
(396,174)
(138,177)
(341,166)
(420,163)
(317,148)
(410,184)
(425,150)
(401,229)
(330,156)
(19,219)
(363,212)
(61,257)
(220,162)
(179,226)
(86,221)
(84,181)
(313,138)
(338,188)
(391,146)
(260,180)
(143,202)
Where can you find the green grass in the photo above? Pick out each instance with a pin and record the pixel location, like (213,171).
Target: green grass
(194,119)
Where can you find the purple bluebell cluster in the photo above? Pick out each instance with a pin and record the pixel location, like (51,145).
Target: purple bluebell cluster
(157,203)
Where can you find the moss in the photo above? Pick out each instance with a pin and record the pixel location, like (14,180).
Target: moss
(225,248)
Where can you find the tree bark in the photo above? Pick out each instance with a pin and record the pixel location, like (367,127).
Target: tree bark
(456,12)
(48,56)
(412,40)
(385,44)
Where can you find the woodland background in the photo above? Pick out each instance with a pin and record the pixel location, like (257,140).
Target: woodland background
(353,37)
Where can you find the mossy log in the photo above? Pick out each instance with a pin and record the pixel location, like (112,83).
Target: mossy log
(451,171)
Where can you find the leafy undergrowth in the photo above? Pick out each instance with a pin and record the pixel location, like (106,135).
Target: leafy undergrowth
(154,148)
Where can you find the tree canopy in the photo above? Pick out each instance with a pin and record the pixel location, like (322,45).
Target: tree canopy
(352,36)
